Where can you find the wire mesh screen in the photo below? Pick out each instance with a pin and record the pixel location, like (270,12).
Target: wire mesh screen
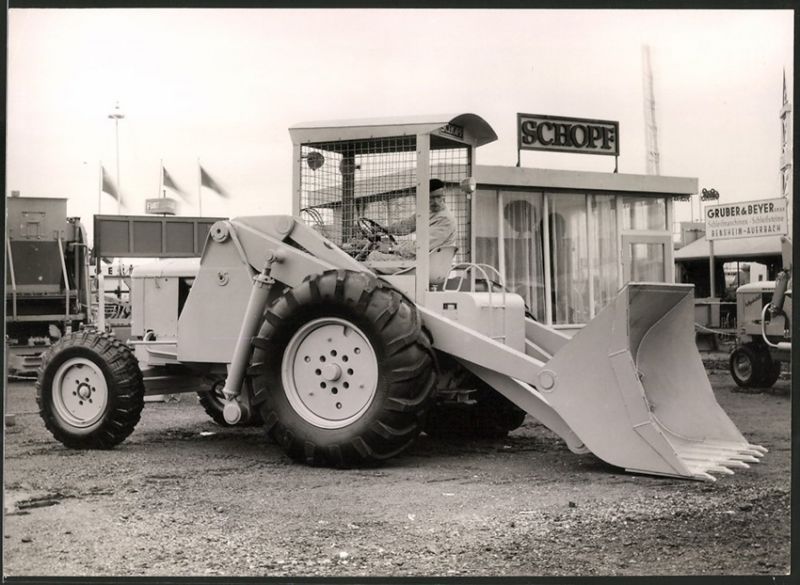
(343,181)
(452,165)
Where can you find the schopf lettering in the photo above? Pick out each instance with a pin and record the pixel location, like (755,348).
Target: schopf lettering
(568,134)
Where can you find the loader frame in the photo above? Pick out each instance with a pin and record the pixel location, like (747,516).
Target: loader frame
(629,387)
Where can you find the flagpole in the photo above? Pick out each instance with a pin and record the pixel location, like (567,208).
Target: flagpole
(199,189)
(100,189)
(116,115)
(100,316)
(161,180)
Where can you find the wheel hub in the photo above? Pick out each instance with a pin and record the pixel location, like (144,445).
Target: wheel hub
(330,372)
(84,391)
(743,367)
(79,392)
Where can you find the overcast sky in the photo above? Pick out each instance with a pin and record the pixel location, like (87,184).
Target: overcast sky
(224,86)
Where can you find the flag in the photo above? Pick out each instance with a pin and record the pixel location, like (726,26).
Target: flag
(169,182)
(109,186)
(208,182)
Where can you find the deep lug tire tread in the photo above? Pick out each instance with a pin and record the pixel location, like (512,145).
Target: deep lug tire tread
(770,370)
(123,379)
(406,380)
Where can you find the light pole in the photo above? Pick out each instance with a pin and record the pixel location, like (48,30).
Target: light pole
(116,115)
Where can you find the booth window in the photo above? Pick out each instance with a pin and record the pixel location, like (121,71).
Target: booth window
(644,213)
(569,258)
(647,262)
(603,249)
(522,262)
(486,228)
(595,242)
(522,235)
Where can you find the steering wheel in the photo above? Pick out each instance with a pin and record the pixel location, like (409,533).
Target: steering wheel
(372,230)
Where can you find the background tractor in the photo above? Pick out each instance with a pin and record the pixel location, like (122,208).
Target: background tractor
(764,331)
(346,360)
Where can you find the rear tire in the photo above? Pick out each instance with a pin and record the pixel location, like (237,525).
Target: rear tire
(492,418)
(90,390)
(496,415)
(770,371)
(344,372)
(490,415)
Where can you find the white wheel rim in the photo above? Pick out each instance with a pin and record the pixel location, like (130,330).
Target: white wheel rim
(80,392)
(743,366)
(329,372)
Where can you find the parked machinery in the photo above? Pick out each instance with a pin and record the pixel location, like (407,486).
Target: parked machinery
(343,359)
(764,332)
(47,280)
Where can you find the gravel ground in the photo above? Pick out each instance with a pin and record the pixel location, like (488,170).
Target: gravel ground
(183,496)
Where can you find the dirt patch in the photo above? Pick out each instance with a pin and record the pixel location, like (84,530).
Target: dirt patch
(183,496)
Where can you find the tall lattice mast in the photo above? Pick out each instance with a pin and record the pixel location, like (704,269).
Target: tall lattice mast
(650,127)
(786,150)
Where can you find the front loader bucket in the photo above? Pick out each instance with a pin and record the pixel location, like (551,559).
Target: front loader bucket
(632,386)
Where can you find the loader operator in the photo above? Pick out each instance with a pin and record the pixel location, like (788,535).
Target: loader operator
(442,232)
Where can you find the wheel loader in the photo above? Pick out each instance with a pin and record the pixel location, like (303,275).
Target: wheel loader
(346,360)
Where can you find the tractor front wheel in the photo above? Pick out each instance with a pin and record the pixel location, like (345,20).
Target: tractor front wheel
(345,373)
(90,390)
(744,366)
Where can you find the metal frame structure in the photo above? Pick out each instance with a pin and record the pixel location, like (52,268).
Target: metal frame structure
(427,135)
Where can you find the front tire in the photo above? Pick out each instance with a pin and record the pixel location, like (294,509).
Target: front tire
(346,374)
(90,390)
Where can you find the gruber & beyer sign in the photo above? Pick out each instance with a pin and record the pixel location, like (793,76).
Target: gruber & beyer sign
(746,219)
(580,135)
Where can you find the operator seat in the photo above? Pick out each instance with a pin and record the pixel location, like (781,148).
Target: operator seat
(440,261)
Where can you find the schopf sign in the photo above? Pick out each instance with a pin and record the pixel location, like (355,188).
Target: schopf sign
(581,135)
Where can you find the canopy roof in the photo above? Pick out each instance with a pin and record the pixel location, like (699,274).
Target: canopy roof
(731,249)
(475,128)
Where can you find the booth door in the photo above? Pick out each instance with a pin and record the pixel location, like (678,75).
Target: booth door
(644,258)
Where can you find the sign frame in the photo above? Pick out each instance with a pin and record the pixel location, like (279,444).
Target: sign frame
(521,118)
(782,226)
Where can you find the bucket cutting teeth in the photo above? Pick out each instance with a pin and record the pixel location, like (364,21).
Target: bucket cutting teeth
(748,459)
(704,477)
(739,464)
(711,451)
(714,457)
